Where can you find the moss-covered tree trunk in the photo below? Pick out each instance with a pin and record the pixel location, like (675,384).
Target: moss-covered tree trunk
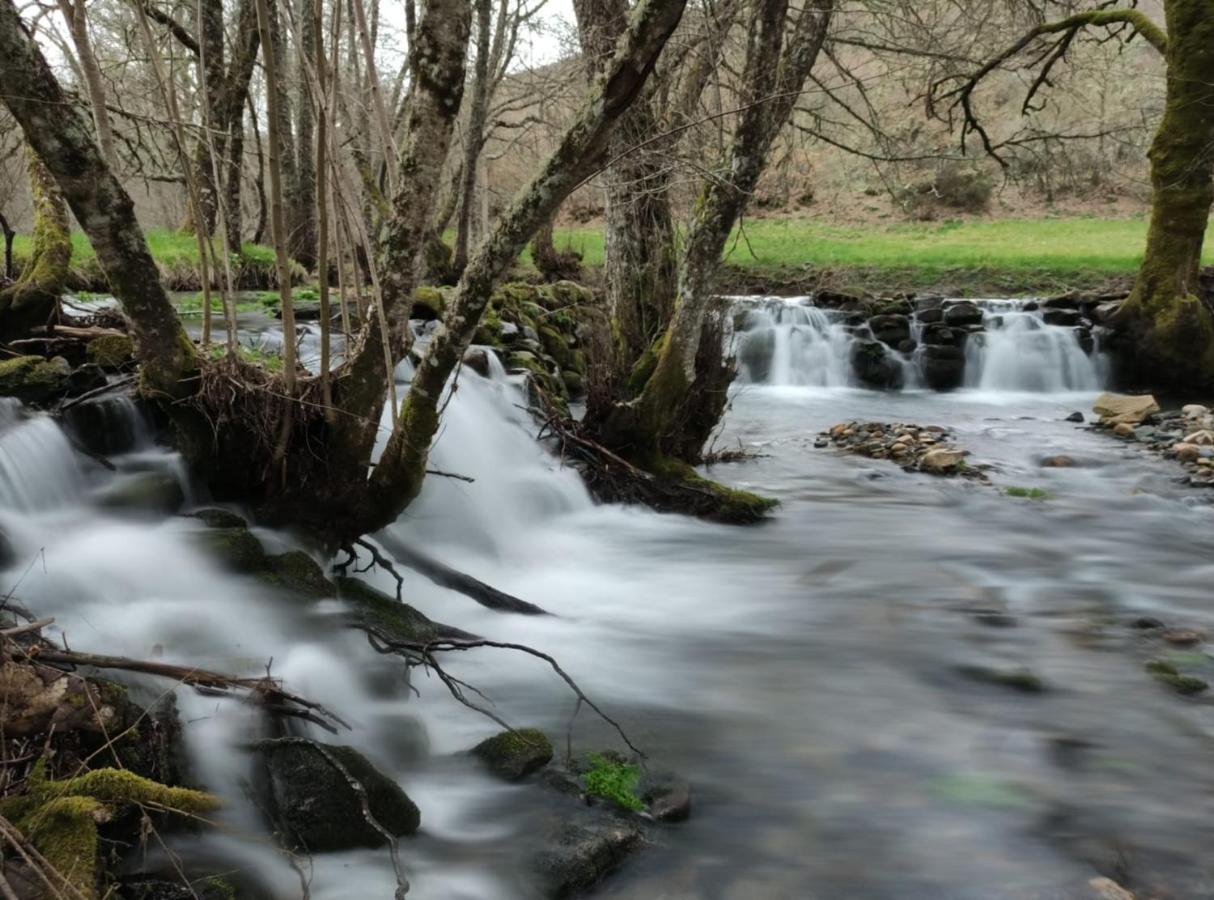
(61,137)
(661,423)
(1167,310)
(34,298)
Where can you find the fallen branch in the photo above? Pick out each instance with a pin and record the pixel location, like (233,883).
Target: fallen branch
(266,691)
(447,577)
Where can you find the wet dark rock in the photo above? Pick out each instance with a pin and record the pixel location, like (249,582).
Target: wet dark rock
(1063,302)
(907,347)
(85,378)
(1061,461)
(7,555)
(477,359)
(1086,340)
(1103,312)
(234,546)
(513,755)
(298,573)
(35,380)
(319,796)
(995,619)
(1146,623)
(962,314)
(1075,417)
(143,494)
(1068,318)
(217,517)
(1017,679)
(668,798)
(102,426)
(943,367)
(941,334)
(932,316)
(510,333)
(874,366)
(142,888)
(927,302)
(890,329)
(580,851)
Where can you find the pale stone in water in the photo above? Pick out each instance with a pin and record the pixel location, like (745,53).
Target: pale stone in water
(1201,438)
(1187,452)
(1194,411)
(1125,408)
(1123,429)
(941,459)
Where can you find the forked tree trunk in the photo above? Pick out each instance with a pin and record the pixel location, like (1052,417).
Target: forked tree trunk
(654,428)
(1167,309)
(34,298)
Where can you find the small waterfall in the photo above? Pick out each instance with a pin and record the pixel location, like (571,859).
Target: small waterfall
(789,342)
(38,468)
(1019,351)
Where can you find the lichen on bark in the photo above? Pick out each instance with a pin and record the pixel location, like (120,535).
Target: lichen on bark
(34,297)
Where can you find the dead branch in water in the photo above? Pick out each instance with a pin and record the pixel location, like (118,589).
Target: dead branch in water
(445,576)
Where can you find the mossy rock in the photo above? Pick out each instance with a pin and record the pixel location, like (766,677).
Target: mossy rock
(375,610)
(513,755)
(312,802)
(111,351)
(297,572)
(34,379)
(556,345)
(235,547)
(428,303)
(1016,679)
(575,384)
(217,517)
(215,887)
(569,293)
(1166,673)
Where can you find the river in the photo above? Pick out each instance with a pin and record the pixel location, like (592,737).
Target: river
(804,675)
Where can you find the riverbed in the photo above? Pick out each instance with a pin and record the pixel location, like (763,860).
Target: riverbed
(806,675)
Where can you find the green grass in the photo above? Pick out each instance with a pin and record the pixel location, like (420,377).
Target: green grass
(169,248)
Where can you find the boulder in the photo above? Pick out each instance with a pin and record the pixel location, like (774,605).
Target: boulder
(513,755)
(1194,411)
(962,314)
(668,798)
(34,379)
(1187,452)
(874,366)
(890,329)
(581,850)
(941,334)
(942,459)
(314,795)
(943,367)
(111,351)
(930,316)
(1128,408)
(374,610)
(103,425)
(85,378)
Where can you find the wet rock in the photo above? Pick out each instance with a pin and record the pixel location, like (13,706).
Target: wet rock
(930,316)
(574,382)
(1146,623)
(1202,438)
(1108,889)
(1194,411)
(962,314)
(1068,318)
(1115,409)
(143,494)
(943,367)
(668,798)
(477,359)
(297,572)
(85,378)
(1103,312)
(102,426)
(1183,637)
(1075,417)
(890,329)
(513,755)
(1166,673)
(111,352)
(34,379)
(995,619)
(942,335)
(1144,433)
(142,888)
(1123,429)
(375,611)
(942,460)
(510,333)
(580,851)
(874,366)
(1017,679)
(217,517)
(234,546)
(319,796)
(1061,461)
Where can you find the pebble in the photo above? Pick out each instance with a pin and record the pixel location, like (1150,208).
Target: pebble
(1123,429)
(1058,462)
(1186,436)
(914,447)
(1075,417)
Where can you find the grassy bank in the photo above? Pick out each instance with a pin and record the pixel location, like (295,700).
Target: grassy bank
(175,253)
(1006,256)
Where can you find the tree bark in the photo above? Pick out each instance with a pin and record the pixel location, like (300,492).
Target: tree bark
(652,429)
(474,136)
(9,235)
(61,138)
(34,298)
(77,23)
(1167,309)
(398,475)
(303,191)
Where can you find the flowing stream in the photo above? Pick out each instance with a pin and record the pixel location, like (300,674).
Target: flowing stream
(802,674)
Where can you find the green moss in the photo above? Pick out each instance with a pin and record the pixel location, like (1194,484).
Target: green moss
(614,781)
(376,610)
(430,299)
(1028,493)
(111,351)
(515,754)
(1166,673)
(1017,679)
(33,379)
(60,817)
(297,572)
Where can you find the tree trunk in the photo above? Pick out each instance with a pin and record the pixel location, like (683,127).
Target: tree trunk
(9,235)
(1167,310)
(402,465)
(34,298)
(303,191)
(77,22)
(474,136)
(553,264)
(62,140)
(288,159)
(656,426)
